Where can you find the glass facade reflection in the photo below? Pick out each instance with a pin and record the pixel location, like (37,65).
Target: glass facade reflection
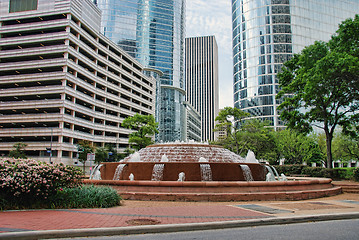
(266,33)
(153,32)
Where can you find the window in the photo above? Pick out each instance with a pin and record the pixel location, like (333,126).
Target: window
(22,5)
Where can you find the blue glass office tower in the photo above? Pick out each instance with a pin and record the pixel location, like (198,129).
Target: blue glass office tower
(266,33)
(153,32)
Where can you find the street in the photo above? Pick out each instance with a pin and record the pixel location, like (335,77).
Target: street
(327,230)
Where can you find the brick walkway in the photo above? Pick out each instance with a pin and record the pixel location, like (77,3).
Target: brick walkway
(139,213)
(11,221)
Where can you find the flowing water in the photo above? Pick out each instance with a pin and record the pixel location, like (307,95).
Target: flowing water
(247,173)
(118,171)
(135,157)
(206,172)
(157,172)
(164,158)
(96,174)
(271,172)
(251,158)
(184,153)
(275,172)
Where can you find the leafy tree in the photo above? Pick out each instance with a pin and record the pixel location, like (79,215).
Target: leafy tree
(110,154)
(297,148)
(18,151)
(229,120)
(101,155)
(113,155)
(257,136)
(320,88)
(144,126)
(84,147)
(127,152)
(345,148)
(346,38)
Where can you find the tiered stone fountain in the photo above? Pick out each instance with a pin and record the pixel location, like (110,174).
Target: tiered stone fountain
(203,172)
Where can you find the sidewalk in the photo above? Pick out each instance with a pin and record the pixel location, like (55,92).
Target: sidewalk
(141,217)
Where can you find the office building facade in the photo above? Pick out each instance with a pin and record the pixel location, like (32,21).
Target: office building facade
(202,81)
(193,123)
(266,33)
(61,81)
(153,32)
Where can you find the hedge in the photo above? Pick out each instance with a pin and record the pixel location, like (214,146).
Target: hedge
(334,173)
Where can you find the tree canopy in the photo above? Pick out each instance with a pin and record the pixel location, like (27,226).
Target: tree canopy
(319,86)
(84,147)
(18,151)
(297,148)
(145,127)
(257,135)
(229,120)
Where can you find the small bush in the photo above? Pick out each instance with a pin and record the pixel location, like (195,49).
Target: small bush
(356,174)
(26,183)
(86,197)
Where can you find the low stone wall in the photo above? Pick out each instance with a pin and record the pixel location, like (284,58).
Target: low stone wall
(305,188)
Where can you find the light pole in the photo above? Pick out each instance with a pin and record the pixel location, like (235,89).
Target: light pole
(51,146)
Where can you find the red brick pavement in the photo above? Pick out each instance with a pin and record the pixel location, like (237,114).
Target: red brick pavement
(13,221)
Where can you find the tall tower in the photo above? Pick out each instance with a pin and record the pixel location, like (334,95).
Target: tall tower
(266,34)
(202,81)
(153,32)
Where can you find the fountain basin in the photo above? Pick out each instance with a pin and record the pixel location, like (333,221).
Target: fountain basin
(298,189)
(203,172)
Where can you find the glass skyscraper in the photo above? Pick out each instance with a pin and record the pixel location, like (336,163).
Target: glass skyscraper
(266,33)
(153,32)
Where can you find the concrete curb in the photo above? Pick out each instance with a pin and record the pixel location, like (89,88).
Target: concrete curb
(91,232)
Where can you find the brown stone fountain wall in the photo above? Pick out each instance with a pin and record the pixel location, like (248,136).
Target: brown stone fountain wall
(220,171)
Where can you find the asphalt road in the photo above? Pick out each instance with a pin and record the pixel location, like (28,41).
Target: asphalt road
(327,230)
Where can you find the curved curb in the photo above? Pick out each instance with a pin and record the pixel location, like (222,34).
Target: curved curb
(91,232)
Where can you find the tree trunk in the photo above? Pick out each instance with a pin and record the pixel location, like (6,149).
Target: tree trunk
(329,138)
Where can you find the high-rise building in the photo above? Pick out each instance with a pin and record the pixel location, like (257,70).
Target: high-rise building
(61,81)
(153,32)
(266,33)
(202,81)
(193,123)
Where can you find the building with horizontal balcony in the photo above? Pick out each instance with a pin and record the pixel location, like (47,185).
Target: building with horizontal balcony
(61,81)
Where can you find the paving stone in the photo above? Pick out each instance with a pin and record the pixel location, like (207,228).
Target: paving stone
(264,209)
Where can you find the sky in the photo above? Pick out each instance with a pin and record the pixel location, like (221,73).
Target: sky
(213,17)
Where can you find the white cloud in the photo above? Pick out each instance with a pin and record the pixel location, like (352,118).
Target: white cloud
(208,17)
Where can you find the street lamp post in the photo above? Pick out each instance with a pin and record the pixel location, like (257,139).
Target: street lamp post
(51,146)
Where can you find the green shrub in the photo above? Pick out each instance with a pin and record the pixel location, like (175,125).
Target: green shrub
(295,169)
(356,174)
(314,171)
(86,197)
(347,174)
(26,183)
(335,173)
